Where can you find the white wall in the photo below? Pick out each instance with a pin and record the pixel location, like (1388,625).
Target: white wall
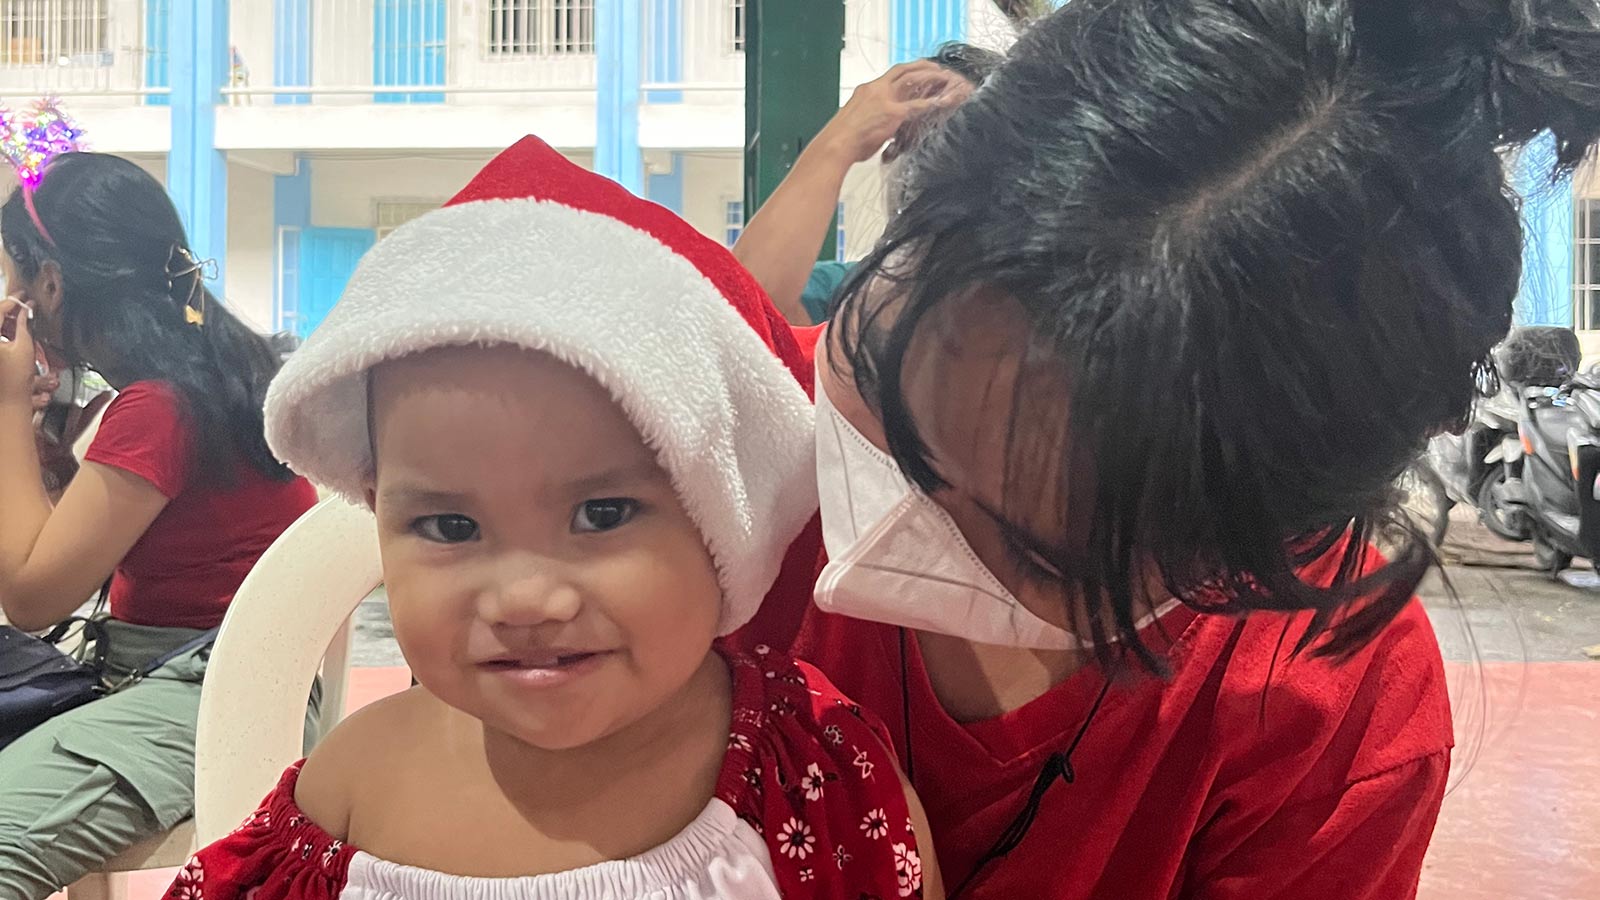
(250,31)
(343,193)
(343,189)
(251,246)
(866,42)
(986,27)
(710,180)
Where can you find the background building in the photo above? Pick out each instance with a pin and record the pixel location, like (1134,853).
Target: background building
(340,120)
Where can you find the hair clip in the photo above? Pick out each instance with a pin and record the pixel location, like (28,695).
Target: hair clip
(194,304)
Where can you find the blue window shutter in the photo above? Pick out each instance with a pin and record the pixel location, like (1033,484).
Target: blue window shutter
(408,48)
(918,27)
(666,48)
(157,25)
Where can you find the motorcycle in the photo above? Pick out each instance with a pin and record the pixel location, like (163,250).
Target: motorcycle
(1480,465)
(1557,488)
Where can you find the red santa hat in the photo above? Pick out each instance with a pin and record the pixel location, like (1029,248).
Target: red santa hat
(540,253)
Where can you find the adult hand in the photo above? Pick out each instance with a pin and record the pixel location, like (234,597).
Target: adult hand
(877,109)
(19,366)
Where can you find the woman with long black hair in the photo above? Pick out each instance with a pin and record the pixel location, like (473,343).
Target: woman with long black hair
(1107,421)
(177,498)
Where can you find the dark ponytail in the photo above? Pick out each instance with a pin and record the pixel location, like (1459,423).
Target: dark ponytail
(1512,68)
(128,279)
(1267,243)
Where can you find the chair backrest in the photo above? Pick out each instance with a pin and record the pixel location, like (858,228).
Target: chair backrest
(292,610)
(80,447)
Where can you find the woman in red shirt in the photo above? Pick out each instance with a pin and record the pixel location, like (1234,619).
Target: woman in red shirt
(1174,297)
(177,498)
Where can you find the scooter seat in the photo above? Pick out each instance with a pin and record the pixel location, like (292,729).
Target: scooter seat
(1554,422)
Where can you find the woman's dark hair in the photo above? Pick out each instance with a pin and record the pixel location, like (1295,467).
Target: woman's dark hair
(1268,245)
(127,276)
(967,60)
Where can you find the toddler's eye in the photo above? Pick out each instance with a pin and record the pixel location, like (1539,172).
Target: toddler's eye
(449,528)
(603,515)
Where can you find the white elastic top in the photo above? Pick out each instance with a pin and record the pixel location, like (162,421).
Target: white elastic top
(716,856)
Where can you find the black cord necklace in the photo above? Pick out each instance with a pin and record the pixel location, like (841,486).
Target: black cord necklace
(1058,766)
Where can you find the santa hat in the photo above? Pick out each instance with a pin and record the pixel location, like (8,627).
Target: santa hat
(540,253)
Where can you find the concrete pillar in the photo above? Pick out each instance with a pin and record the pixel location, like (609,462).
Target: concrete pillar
(197,172)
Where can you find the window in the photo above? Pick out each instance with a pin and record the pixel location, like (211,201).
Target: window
(1586,266)
(387,215)
(540,27)
(513,27)
(736,25)
(54,32)
(733,222)
(838,234)
(288,285)
(572,29)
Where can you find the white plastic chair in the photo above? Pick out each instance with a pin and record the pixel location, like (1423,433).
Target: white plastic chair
(289,617)
(81,445)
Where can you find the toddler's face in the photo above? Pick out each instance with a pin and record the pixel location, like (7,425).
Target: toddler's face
(542,573)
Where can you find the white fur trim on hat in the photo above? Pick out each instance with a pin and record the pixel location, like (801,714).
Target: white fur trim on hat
(727,421)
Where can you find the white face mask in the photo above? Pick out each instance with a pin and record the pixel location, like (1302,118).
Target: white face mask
(895,556)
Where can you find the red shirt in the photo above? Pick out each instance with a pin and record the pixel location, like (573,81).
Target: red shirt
(1239,777)
(184,569)
(1209,785)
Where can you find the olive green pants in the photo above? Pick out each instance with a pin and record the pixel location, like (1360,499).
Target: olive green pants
(93,781)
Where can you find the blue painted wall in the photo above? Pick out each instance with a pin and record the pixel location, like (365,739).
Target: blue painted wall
(918,27)
(618,46)
(1545,297)
(197,173)
(667,189)
(291,48)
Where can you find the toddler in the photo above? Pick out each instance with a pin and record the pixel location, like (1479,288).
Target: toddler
(587,440)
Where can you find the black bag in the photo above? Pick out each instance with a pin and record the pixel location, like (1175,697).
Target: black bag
(39,682)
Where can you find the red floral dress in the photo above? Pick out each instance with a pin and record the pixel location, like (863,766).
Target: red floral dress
(807,805)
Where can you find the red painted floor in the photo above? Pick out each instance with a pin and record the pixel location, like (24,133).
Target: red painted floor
(1523,823)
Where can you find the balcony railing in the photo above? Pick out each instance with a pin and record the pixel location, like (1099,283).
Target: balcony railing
(470,51)
(410,51)
(694,46)
(485,52)
(82,48)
